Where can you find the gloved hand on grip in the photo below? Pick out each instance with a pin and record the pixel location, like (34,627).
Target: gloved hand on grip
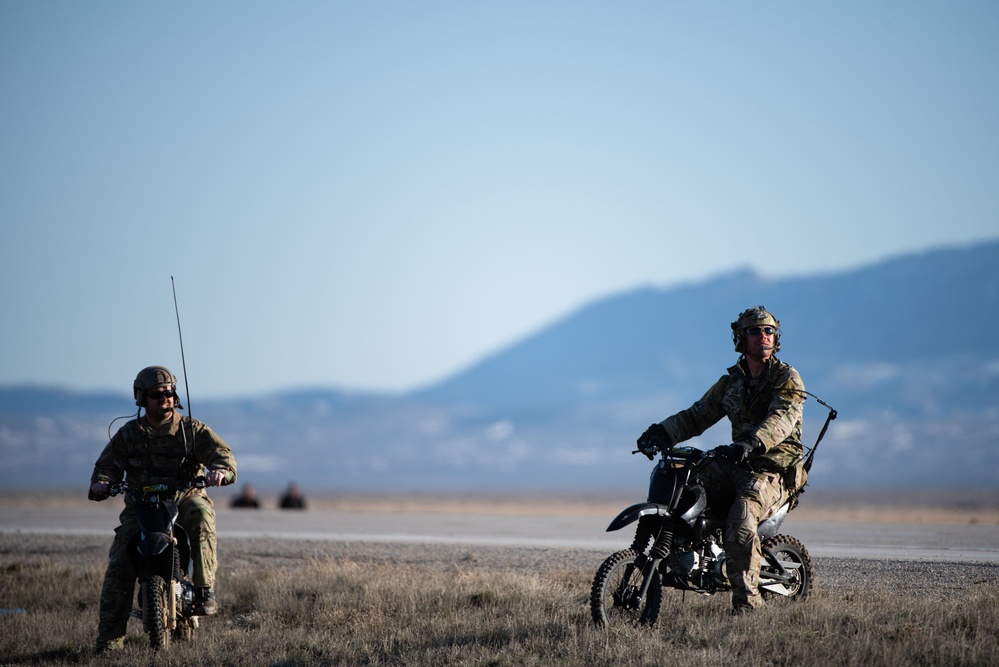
(99,491)
(653,440)
(737,452)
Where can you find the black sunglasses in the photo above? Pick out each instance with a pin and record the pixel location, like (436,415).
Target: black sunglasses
(756,331)
(157,394)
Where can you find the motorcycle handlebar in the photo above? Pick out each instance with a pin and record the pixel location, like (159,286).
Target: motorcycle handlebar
(696,457)
(679,452)
(117,488)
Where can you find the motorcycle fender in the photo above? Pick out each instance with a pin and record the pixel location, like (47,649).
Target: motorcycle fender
(151,554)
(635,512)
(156,523)
(153,544)
(769,528)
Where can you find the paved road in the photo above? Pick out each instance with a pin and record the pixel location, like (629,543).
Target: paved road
(846,539)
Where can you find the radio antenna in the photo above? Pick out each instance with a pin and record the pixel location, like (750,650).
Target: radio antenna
(180,334)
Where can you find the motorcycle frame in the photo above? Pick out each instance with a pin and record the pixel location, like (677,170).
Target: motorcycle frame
(673,498)
(152,548)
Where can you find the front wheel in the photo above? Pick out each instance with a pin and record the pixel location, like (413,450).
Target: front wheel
(155,608)
(616,589)
(791,576)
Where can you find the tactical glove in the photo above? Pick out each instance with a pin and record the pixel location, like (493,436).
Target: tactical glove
(98,491)
(737,452)
(653,440)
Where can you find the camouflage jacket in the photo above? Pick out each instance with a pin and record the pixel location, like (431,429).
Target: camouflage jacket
(766,411)
(143,455)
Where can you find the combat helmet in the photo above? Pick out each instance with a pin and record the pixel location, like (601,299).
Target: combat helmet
(757,316)
(152,377)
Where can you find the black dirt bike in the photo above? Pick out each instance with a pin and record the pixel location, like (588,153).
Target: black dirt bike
(687,551)
(161,555)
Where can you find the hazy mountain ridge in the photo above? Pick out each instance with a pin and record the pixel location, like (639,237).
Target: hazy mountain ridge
(650,339)
(901,348)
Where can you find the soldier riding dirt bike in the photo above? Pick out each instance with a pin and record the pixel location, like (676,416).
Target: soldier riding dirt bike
(705,512)
(160,553)
(679,543)
(166,460)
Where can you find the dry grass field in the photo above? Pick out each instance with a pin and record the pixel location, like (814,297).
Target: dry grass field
(307,603)
(320,603)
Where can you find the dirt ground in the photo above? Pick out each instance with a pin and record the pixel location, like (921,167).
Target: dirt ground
(833,575)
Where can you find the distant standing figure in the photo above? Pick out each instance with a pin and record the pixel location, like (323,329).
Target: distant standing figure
(292,498)
(248,498)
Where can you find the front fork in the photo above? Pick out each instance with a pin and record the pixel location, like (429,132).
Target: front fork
(174,593)
(647,527)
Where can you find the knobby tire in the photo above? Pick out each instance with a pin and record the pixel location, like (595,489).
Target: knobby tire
(615,585)
(155,608)
(789,549)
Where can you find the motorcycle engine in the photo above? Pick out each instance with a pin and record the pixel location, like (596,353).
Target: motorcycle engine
(186,596)
(703,570)
(684,562)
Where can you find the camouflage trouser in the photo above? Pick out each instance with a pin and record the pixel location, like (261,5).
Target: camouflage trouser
(197,516)
(751,498)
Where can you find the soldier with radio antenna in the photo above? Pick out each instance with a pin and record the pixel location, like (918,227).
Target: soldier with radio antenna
(160,446)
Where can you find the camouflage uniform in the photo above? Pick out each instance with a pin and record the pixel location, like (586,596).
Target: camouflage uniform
(143,456)
(767,412)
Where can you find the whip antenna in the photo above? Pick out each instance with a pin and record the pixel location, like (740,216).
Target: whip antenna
(183,362)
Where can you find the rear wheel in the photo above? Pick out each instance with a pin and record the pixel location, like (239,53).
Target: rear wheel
(614,596)
(155,607)
(795,581)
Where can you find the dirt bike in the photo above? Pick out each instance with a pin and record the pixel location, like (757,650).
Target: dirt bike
(687,551)
(161,554)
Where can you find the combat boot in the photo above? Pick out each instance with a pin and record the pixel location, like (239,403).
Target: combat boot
(744,603)
(204,602)
(104,645)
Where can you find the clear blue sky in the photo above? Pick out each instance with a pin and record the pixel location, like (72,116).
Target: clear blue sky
(374,195)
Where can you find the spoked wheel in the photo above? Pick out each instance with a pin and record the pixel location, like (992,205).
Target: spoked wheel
(797,570)
(616,588)
(155,607)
